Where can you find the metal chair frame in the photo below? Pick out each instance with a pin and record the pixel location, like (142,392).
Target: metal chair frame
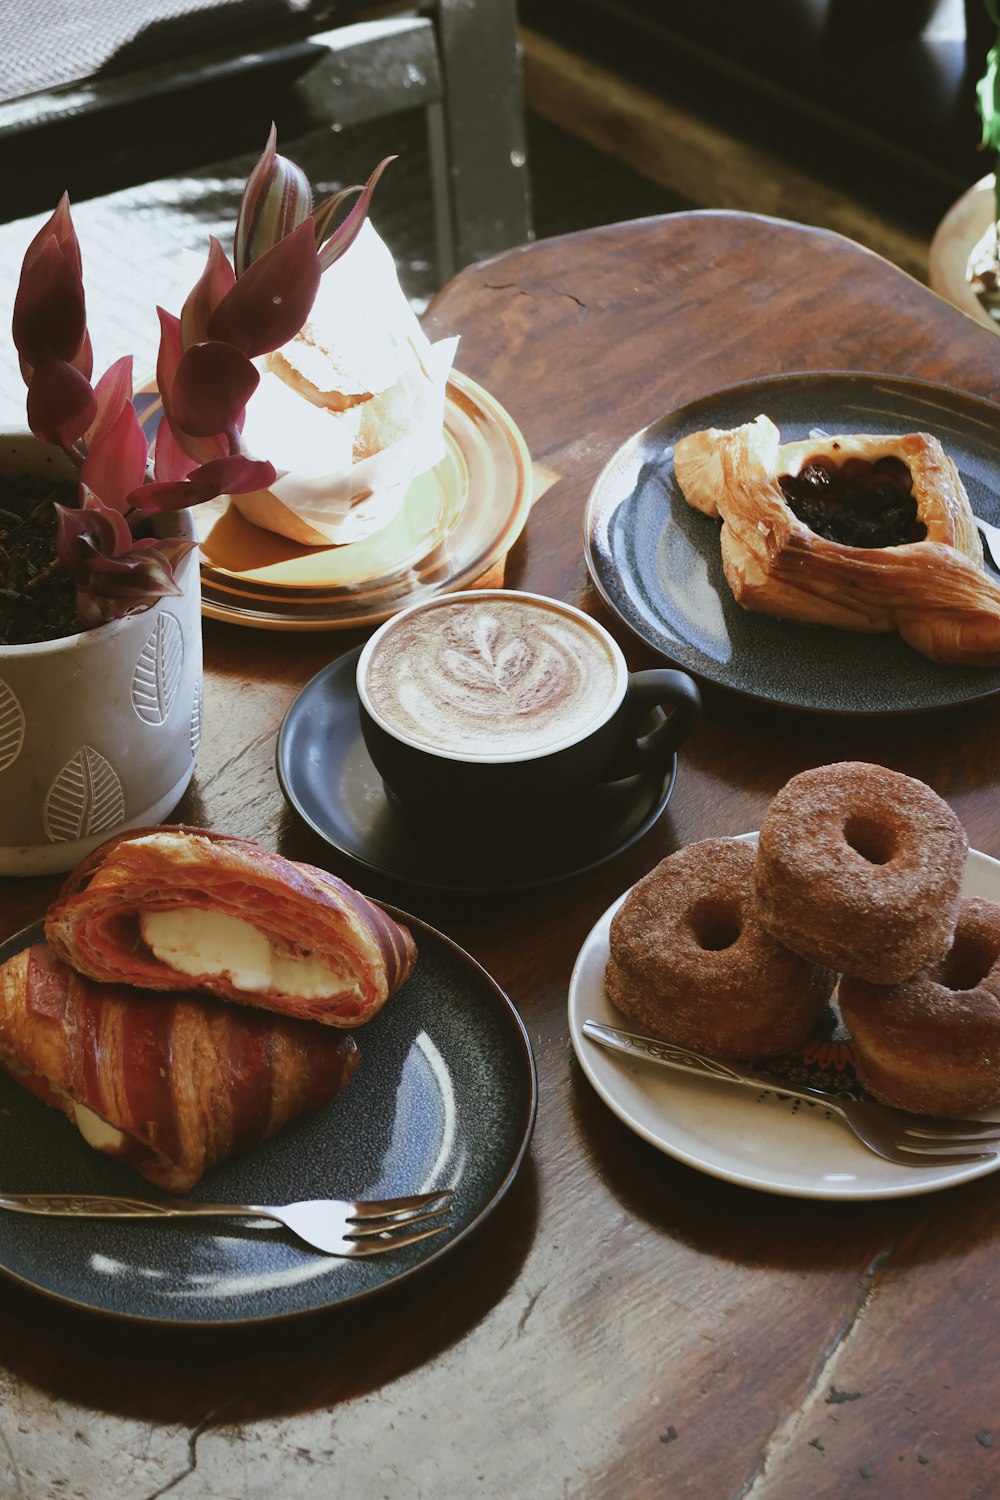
(458,60)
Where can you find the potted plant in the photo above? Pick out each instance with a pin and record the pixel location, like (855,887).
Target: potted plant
(964,261)
(100,627)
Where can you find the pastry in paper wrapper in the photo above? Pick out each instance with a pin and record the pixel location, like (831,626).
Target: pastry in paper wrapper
(351,409)
(168,1084)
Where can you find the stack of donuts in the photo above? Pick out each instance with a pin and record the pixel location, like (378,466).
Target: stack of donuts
(856,877)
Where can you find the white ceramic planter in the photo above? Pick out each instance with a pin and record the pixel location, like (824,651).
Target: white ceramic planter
(98,731)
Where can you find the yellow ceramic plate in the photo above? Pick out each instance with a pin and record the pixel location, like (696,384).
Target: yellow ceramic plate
(456,522)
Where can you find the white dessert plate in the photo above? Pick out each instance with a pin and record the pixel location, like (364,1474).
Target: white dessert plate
(756,1140)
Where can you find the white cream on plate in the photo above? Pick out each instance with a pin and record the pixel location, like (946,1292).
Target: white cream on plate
(192,941)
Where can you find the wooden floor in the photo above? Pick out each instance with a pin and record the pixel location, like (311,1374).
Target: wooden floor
(692,157)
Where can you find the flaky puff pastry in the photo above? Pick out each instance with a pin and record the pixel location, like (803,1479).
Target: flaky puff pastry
(168,1084)
(175,908)
(935,592)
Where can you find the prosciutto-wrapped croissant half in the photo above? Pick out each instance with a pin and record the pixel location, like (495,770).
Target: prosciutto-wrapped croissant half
(177,908)
(168,1084)
(864,533)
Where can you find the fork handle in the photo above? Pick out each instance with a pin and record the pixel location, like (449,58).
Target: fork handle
(94,1206)
(668,1055)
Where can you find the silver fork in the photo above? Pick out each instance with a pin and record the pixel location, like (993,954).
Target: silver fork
(333,1225)
(909,1140)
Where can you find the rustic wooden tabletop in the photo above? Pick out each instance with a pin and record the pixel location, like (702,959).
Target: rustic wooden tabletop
(621,1325)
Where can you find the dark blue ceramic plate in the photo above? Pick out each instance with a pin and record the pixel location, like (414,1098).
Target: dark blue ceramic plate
(657,562)
(327,776)
(445,1094)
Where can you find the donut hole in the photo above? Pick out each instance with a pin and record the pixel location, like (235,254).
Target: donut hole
(874,840)
(715,925)
(971,958)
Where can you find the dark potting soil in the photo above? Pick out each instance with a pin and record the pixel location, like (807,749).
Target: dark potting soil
(36,604)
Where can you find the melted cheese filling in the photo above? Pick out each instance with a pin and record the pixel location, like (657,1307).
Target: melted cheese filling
(97,1132)
(196,942)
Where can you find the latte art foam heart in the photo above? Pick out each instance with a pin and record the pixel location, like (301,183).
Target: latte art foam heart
(498,676)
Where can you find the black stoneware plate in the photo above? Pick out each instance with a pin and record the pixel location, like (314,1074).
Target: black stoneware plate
(657,563)
(328,777)
(445,1094)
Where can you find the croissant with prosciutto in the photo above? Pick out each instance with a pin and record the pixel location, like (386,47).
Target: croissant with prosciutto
(806,534)
(175,908)
(168,1084)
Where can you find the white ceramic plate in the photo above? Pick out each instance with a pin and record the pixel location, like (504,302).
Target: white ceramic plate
(756,1140)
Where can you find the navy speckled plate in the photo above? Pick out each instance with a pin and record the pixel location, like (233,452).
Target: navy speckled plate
(445,1094)
(657,562)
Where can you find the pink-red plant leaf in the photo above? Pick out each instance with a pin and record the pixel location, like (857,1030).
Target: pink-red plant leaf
(235,475)
(277,198)
(345,234)
(113,391)
(116,462)
(109,588)
(92,528)
(198,449)
(326,212)
(168,355)
(60,224)
(212,285)
(84,359)
(130,572)
(272,299)
(170,461)
(50,313)
(114,573)
(60,403)
(159,498)
(212,384)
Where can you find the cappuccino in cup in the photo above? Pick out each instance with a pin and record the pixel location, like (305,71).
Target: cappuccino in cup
(499,711)
(492,676)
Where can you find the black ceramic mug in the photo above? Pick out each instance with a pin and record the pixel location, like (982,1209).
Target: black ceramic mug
(491,707)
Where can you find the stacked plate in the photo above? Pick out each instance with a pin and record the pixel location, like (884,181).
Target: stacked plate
(456,522)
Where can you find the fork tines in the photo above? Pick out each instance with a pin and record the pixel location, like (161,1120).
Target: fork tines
(392,1223)
(394,1208)
(945,1131)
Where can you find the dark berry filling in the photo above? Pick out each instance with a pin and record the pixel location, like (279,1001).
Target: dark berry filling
(857,503)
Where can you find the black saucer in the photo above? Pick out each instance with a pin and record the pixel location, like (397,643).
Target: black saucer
(327,776)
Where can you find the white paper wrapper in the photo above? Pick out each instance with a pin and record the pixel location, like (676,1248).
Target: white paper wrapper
(343,469)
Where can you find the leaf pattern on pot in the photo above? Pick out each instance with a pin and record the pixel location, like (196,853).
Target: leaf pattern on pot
(11,725)
(197,716)
(157,674)
(85,798)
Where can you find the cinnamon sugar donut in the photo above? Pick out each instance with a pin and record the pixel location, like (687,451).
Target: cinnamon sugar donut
(692,964)
(932,1043)
(859,868)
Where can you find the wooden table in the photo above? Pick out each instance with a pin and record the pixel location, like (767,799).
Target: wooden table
(621,1325)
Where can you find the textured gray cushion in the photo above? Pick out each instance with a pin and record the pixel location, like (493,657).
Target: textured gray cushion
(48,44)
